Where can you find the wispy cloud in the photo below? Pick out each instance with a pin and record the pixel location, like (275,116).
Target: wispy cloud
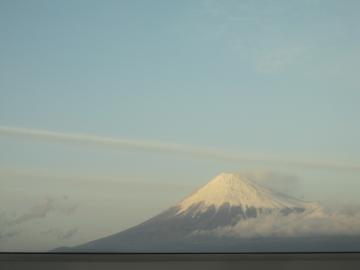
(10,226)
(167,148)
(8,234)
(268,49)
(16,176)
(276,59)
(279,182)
(42,210)
(60,234)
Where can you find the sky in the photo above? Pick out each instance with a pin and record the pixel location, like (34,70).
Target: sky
(267,82)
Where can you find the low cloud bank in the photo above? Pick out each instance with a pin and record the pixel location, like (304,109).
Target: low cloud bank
(312,223)
(11,225)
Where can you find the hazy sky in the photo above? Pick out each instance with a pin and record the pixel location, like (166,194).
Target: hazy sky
(265,79)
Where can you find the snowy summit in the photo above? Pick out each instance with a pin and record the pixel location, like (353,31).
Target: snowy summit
(237,190)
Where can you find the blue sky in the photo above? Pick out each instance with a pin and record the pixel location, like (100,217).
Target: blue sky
(264,78)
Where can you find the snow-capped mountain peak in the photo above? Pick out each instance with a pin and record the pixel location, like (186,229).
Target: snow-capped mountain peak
(231,206)
(237,190)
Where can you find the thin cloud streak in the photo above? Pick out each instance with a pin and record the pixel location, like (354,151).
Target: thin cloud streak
(167,148)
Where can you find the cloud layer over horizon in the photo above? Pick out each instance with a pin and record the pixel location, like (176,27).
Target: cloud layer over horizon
(329,222)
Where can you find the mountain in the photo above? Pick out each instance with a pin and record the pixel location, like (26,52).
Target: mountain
(234,191)
(225,201)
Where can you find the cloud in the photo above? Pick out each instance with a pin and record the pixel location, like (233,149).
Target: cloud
(167,148)
(6,230)
(8,234)
(43,209)
(68,234)
(62,235)
(277,59)
(257,28)
(17,175)
(280,182)
(37,212)
(10,226)
(308,224)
